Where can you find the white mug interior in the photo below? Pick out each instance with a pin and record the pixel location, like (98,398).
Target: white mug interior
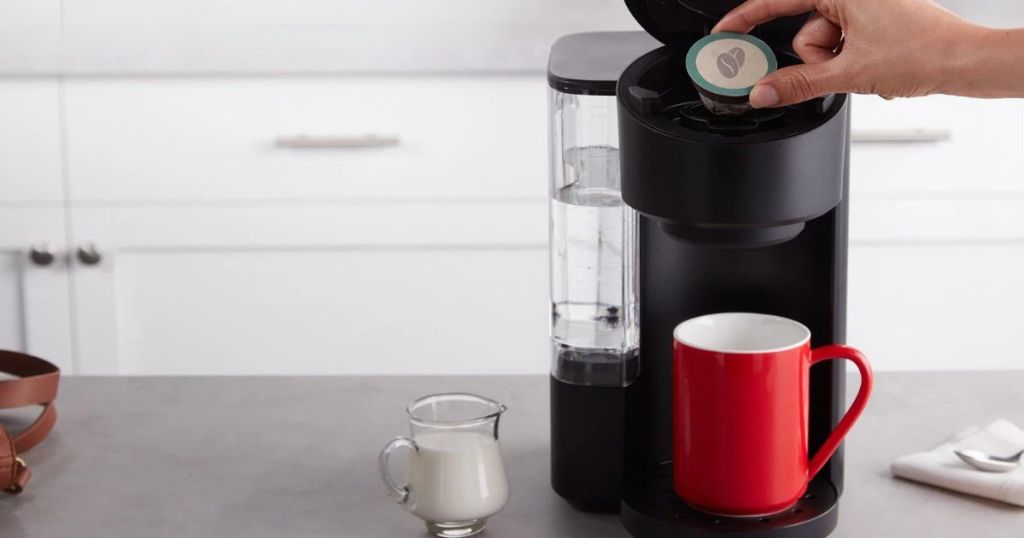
(742,332)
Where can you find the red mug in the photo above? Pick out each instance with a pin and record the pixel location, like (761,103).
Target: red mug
(740,400)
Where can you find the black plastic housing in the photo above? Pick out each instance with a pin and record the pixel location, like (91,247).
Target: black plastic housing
(588,445)
(746,213)
(738,214)
(802,279)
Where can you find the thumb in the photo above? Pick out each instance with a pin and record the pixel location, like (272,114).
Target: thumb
(798,83)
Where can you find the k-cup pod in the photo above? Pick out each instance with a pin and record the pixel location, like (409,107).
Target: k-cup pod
(724,68)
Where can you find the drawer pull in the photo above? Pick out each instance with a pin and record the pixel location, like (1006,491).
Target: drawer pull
(40,254)
(331,142)
(88,255)
(900,136)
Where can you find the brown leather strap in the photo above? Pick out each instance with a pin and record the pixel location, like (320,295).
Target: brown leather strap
(35,384)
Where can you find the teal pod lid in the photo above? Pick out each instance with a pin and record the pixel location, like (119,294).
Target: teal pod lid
(725,66)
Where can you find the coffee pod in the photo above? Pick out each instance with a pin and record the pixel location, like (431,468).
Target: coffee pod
(724,68)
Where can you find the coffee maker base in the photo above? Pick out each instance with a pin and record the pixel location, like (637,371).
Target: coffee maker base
(651,509)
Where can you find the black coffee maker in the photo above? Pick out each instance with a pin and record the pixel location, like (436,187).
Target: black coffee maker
(661,212)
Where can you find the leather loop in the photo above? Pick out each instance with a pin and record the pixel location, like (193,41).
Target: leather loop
(8,462)
(35,384)
(38,383)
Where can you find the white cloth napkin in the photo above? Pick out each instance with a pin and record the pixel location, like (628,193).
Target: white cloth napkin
(941,467)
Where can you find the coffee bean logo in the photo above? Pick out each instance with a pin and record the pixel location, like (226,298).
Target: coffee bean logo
(729,63)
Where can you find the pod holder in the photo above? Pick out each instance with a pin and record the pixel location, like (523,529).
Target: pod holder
(666,96)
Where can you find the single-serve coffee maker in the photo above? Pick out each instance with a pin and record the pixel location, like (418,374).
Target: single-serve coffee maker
(662,211)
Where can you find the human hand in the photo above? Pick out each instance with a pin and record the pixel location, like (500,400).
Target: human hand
(892,48)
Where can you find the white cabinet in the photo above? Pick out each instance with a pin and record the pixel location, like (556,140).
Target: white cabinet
(982,154)
(934,283)
(35,314)
(937,306)
(223,251)
(30,36)
(382,15)
(967,219)
(363,289)
(30,144)
(324,36)
(937,232)
(212,37)
(220,139)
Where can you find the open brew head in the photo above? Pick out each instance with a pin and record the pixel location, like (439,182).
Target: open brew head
(659,89)
(727,181)
(748,178)
(745,180)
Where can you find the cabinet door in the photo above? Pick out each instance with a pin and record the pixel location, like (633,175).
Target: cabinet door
(29,36)
(34,295)
(937,146)
(228,36)
(934,283)
(30,155)
(393,289)
(396,138)
(937,306)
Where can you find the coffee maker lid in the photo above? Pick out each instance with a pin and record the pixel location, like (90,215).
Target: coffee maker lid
(681,22)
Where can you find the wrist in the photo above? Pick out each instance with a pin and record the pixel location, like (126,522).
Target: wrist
(986,62)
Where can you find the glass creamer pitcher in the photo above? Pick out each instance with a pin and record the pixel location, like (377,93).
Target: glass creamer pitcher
(455,478)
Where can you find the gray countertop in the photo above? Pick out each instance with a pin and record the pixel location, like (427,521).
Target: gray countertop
(295,457)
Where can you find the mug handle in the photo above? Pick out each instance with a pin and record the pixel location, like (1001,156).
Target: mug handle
(859,403)
(401,494)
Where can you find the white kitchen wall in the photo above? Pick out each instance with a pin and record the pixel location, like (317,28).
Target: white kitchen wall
(148,133)
(316,36)
(278,36)
(998,13)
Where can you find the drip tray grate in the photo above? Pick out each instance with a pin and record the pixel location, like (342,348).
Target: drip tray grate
(655,511)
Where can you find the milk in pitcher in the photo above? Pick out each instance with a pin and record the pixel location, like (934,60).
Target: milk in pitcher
(457,476)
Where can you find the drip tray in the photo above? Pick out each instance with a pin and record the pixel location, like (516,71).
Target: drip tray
(654,511)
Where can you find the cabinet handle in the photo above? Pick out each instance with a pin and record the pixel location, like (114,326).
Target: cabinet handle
(900,136)
(334,142)
(88,254)
(40,254)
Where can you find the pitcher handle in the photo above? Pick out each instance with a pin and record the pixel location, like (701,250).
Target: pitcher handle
(401,494)
(859,403)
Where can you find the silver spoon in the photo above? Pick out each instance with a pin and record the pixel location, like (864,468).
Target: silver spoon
(989,463)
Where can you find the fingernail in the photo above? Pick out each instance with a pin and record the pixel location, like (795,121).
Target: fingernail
(764,96)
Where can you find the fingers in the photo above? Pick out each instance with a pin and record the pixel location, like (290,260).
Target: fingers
(816,43)
(818,40)
(799,83)
(753,12)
